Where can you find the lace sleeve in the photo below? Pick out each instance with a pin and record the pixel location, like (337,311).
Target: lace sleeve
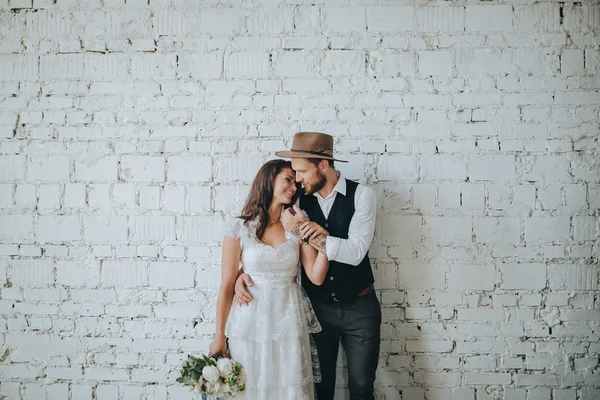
(233,228)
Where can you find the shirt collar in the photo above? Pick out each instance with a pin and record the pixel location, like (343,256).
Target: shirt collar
(340,187)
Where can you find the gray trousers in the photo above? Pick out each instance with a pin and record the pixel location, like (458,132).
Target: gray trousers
(357,326)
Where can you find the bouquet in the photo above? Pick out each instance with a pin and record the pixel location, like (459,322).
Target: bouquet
(212,377)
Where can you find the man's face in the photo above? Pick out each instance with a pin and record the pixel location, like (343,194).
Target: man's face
(309,175)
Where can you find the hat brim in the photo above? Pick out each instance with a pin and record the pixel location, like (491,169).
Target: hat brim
(302,154)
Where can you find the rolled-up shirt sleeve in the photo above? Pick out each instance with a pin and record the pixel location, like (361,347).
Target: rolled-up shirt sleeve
(360,232)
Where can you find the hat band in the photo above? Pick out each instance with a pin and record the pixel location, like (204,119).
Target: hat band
(317,153)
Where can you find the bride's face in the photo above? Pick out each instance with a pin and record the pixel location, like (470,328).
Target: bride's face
(284,186)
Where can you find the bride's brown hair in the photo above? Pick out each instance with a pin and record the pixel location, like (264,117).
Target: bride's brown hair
(261,195)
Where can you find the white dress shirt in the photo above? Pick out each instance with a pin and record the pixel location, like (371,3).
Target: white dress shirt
(362,225)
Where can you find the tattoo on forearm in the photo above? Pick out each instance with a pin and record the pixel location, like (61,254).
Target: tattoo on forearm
(319,242)
(296,229)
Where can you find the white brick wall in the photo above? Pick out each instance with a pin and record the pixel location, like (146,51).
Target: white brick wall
(130,129)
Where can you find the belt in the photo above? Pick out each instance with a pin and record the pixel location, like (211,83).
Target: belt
(368,290)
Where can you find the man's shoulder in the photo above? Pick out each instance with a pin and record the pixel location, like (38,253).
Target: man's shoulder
(361,187)
(364,193)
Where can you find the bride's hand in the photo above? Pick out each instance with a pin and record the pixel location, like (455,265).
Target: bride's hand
(291,223)
(218,346)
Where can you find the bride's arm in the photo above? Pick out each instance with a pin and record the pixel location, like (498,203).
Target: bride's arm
(315,264)
(230,261)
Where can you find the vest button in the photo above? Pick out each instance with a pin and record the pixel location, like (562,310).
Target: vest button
(331,278)
(326,225)
(332,294)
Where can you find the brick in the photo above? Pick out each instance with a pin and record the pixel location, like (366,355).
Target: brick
(221,21)
(142,168)
(572,62)
(247,64)
(31,273)
(273,21)
(171,275)
(107,66)
(12,168)
(390,19)
(147,66)
(62,66)
(200,229)
(295,64)
(343,63)
(201,65)
(397,168)
(189,168)
(199,199)
(414,275)
(584,228)
(96,169)
(56,229)
(390,64)
(504,230)
(547,229)
(440,19)
(238,169)
(75,195)
(16,228)
(154,229)
(485,18)
(542,16)
(573,277)
(471,277)
(105,229)
(78,274)
(523,276)
(344,19)
(448,229)
(171,22)
(401,229)
(49,196)
(19,67)
(436,63)
(492,168)
(48,168)
(441,166)
(124,274)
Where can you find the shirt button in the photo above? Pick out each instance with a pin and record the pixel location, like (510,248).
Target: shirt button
(331,278)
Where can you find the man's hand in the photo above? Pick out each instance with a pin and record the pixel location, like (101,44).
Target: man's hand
(316,234)
(310,229)
(291,223)
(242,296)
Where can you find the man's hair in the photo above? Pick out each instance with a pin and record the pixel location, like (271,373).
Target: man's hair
(316,161)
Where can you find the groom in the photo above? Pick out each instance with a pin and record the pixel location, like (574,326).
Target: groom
(342,223)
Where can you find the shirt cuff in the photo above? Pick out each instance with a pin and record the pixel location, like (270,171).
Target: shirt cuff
(332,245)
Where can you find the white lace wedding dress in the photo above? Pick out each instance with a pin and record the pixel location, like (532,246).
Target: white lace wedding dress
(271,336)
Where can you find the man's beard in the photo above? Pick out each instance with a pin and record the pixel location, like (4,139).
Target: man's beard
(318,185)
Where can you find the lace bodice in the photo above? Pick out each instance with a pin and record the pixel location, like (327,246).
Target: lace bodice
(276,267)
(272,332)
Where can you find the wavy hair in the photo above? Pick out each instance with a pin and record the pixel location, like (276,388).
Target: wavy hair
(261,195)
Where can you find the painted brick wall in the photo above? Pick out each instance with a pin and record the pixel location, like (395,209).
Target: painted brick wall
(130,129)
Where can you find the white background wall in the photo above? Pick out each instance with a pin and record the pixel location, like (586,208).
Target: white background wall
(128,131)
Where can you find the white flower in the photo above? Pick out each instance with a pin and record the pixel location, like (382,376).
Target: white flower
(210,373)
(225,366)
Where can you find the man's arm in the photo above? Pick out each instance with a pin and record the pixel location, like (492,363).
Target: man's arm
(360,233)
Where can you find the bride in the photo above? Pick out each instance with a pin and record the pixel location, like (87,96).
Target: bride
(270,337)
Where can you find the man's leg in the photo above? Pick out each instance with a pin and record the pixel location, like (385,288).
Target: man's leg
(327,341)
(361,334)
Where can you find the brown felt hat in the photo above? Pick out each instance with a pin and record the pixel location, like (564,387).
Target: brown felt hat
(310,145)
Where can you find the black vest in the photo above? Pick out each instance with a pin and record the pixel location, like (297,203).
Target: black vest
(343,281)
